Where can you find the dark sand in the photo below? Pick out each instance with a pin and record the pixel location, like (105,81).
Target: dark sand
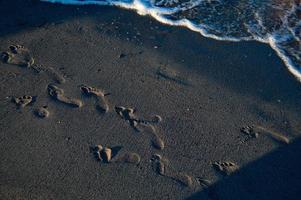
(204,90)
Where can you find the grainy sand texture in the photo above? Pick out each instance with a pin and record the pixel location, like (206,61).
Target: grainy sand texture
(100,103)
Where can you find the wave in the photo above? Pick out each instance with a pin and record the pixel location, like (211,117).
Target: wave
(275,22)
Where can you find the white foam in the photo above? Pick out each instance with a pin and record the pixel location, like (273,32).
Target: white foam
(157,13)
(284,58)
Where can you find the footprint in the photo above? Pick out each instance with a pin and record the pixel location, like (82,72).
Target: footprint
(42,112)
(23,100)
(102,104)
(17,55)
(249,132)
(58,94)
(272,134)
(156,140)
(226,167)
(255,131)
(161,166)
(51,72)
(140,125)
(128,115)
(55,75)
(112,155)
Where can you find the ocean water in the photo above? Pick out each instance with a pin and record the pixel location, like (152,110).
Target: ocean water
(275,22)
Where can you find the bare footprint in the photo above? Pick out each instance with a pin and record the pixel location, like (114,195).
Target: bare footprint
(112,155)
(23,100)
(55,75)
(102,104)
(58,94)
(272,134)
(140,125)
(255,131)
(226,167)
(161,166)
(249,132)
(128,115)
(51,72)
(18,55)
(42,112)
(156,140)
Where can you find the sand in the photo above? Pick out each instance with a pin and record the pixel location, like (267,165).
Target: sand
(185,100)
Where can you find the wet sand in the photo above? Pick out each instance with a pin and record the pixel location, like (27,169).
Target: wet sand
(100,103)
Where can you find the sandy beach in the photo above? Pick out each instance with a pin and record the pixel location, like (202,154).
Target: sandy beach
(178,116)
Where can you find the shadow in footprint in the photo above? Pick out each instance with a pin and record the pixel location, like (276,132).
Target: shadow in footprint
(115,150)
